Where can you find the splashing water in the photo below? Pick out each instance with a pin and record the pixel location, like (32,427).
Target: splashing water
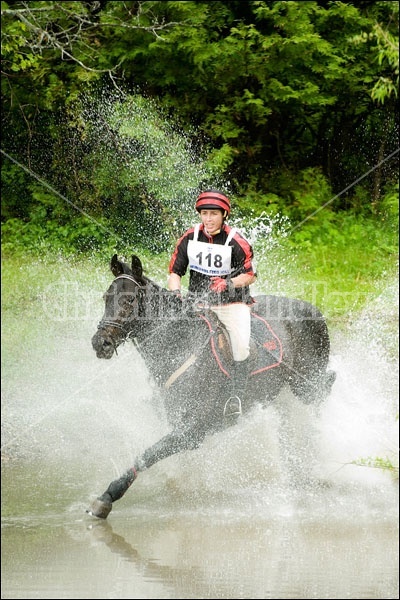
(131,169)
(366,393)
(63,405)
(74,422)
(144,164)
(130,146)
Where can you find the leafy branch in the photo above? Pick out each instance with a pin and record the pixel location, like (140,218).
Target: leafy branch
(72,29)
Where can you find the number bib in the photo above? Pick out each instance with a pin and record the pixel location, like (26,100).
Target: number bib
(210,259)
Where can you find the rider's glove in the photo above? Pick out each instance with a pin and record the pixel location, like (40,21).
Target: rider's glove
(219,285)
(177,296)
(177,293)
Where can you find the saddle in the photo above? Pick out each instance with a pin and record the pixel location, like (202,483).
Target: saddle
(266,351)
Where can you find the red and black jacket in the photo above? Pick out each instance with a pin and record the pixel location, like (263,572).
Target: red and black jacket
(241,262)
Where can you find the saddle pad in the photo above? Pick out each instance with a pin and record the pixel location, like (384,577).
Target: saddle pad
(269,351)
(266,347)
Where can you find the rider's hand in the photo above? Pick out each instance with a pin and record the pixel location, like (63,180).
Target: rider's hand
(177,296)
(218,285)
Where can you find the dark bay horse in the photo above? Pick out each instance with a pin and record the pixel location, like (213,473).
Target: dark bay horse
(188,355)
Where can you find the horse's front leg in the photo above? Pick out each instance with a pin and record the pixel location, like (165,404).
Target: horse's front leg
(170,444)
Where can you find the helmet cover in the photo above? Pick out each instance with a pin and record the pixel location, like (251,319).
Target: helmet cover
(211,199)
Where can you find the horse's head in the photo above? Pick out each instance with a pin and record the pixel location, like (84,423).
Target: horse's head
(134,305)
(123,301)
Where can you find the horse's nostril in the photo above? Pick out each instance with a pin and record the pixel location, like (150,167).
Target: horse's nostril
(103,346)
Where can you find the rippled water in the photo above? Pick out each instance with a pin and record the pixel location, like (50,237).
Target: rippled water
(238,518)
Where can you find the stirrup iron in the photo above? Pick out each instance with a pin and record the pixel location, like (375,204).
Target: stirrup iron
(233,406)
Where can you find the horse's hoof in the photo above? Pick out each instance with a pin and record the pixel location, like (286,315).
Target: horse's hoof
(100,508)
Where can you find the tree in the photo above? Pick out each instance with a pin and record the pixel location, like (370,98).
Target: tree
(271,90)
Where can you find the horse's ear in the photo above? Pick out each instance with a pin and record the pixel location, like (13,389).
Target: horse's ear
(116,266)
(137,269)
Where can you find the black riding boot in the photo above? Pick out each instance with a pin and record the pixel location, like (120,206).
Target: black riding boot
(240,373)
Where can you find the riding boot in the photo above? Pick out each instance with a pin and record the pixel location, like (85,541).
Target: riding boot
(240,373)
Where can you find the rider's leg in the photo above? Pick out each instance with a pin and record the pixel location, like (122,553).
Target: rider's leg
(237,320)
(240,375)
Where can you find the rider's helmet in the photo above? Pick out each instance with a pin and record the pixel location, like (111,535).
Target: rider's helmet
(213,199)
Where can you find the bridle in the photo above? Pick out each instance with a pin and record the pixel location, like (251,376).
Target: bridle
(127,334)
(104,323)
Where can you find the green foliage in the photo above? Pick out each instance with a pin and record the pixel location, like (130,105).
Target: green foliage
(384,45)
(310,197)
(39,236)
(15,198)
(389,206)
(273,101)
(378,462)
(338,261)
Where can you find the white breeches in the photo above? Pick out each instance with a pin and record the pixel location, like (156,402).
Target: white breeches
(236,318)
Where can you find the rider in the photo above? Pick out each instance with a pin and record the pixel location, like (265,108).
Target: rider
(220,271)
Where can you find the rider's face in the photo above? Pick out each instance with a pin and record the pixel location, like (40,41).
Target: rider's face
(212,220)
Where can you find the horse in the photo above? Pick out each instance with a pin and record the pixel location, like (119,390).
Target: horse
(187,353)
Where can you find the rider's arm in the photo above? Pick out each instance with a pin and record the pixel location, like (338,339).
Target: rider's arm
(243,280)
(178,263)
(174,282)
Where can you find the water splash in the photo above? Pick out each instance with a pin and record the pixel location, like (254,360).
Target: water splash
(63,405)
(146,169)
(132,171)
(366,392)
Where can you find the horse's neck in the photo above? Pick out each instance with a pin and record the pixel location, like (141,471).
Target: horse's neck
(155,314)
(166,343)
(148,331)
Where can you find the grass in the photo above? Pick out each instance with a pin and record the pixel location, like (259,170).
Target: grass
(378,462)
